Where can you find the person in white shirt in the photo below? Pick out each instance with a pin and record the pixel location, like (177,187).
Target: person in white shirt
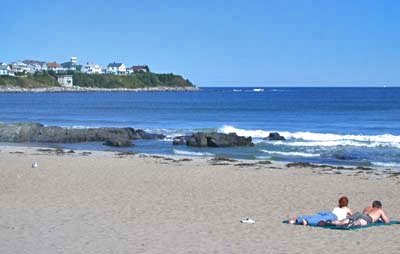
(337,214)
(370,214)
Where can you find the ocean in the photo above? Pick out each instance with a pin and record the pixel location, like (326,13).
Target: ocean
(339,126)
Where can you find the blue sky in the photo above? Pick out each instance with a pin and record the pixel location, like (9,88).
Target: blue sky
(216,43)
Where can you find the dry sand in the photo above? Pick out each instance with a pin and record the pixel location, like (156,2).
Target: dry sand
(108,203)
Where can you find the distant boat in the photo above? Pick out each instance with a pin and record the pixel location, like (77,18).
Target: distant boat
(258,90)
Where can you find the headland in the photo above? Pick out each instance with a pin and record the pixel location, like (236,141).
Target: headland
(47,82)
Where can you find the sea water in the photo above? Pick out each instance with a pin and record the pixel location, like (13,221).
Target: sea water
(342,126)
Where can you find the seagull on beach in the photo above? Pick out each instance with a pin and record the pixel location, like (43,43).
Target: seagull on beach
(34,165)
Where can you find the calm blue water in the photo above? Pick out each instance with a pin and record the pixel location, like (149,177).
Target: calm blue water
(351,126)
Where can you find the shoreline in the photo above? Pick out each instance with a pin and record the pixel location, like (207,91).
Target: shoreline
(27,133)
(374,172)
(13,89)
(103,202)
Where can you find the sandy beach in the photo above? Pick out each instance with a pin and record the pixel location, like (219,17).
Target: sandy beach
(105,202)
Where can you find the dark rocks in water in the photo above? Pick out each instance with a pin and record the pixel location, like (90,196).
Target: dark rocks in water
(342,156)
(35,132)
(19,132)
(214,139)
(118,142)
(180,140)
(275,136)
(198,139)
(141,134)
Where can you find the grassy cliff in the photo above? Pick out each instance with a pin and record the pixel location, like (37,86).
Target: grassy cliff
(30,81)
(139,80)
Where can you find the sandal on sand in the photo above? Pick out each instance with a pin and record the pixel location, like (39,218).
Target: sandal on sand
(248,220)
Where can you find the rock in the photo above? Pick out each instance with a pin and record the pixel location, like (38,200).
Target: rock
(342,155)
(19,132)
(34,132)
(141,134)
(180,140)
(118,142)
(214,139)
(275,136)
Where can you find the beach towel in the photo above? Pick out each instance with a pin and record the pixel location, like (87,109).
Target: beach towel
(376,224)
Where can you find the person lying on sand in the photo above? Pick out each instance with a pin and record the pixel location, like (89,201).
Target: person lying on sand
(337,214)
(370,214)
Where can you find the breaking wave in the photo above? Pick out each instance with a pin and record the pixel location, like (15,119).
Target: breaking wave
(180,152)
(320,139)
(386,164)
(292,153)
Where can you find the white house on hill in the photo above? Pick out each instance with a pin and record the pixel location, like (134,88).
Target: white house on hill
(116,68)
(92,69)
(5,70)
(20,67)
(65,80)
(36,66)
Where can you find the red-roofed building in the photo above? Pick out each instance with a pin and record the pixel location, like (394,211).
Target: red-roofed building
(140,68)
(54,67)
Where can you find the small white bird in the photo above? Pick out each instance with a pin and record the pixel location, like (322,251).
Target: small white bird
(34,165)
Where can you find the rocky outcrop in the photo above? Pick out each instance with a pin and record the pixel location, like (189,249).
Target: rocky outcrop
(180,140)
(118,142)
(35,132)
(275,136)
(214,139)
(141,134)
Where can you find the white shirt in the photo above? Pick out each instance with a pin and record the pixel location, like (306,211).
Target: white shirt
(340,213)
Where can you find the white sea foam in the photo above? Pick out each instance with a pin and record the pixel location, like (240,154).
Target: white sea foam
(248,133)
(77,127)
(292,153)
(335,143)
(180,152)
(386,164)
(321,139)
(172,136)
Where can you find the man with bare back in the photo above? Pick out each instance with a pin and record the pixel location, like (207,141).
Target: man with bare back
(369,215)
